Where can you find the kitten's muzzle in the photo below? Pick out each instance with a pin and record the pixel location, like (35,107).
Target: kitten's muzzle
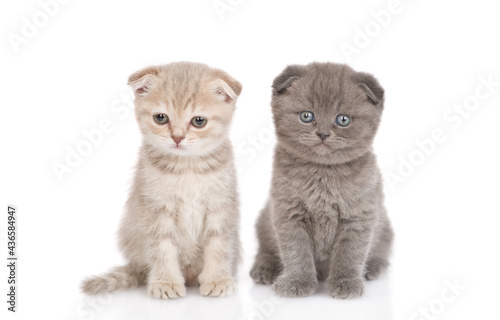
(322,136)
(177,139)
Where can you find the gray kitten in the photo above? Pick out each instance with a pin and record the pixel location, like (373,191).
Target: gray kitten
(325,218)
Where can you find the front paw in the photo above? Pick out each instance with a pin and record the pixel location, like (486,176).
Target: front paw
(288,286)
(346,288)
(219,288)
(166,290)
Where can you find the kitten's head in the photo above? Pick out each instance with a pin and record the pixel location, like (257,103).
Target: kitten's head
(184,108)
(326,113)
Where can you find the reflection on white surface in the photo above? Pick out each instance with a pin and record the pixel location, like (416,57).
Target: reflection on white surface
(251,302)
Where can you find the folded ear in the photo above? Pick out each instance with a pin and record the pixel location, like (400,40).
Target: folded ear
(370,85)
(143,80)
(226,87)
(287,77)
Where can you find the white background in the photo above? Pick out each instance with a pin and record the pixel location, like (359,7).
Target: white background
(71,74)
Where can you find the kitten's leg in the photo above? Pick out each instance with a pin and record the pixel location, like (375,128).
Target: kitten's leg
(378,258)
(267,265)
(299,273)
(221,232)
(350,250)
(165,279)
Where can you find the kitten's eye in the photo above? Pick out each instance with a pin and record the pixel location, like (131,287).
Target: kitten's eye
(343,120)
(306,116)
(161,118)
(198,122)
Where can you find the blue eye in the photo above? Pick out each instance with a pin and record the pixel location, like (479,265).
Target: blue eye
(343,120)
(306,116)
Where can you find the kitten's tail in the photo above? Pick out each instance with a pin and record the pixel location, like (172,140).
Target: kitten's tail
(119,278)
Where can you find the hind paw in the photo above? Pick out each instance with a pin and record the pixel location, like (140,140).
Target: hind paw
(375,268)
(264,273)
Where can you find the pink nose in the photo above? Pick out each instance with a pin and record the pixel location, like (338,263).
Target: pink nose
(177,139)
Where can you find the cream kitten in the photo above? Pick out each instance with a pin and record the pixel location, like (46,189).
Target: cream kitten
(181,221)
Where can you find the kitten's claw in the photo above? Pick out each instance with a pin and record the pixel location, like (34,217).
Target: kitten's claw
(166,290)
(220,288)
(295,286)
(346,288)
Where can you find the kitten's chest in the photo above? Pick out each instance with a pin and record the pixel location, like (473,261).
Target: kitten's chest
(188,195)
(323,196)
(189,187)
(321,190)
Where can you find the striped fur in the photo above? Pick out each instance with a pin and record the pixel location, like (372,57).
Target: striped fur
(181,223)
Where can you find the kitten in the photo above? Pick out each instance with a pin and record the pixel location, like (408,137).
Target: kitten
(182,218)
(325,218)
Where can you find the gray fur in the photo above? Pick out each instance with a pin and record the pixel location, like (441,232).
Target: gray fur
(325,219)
